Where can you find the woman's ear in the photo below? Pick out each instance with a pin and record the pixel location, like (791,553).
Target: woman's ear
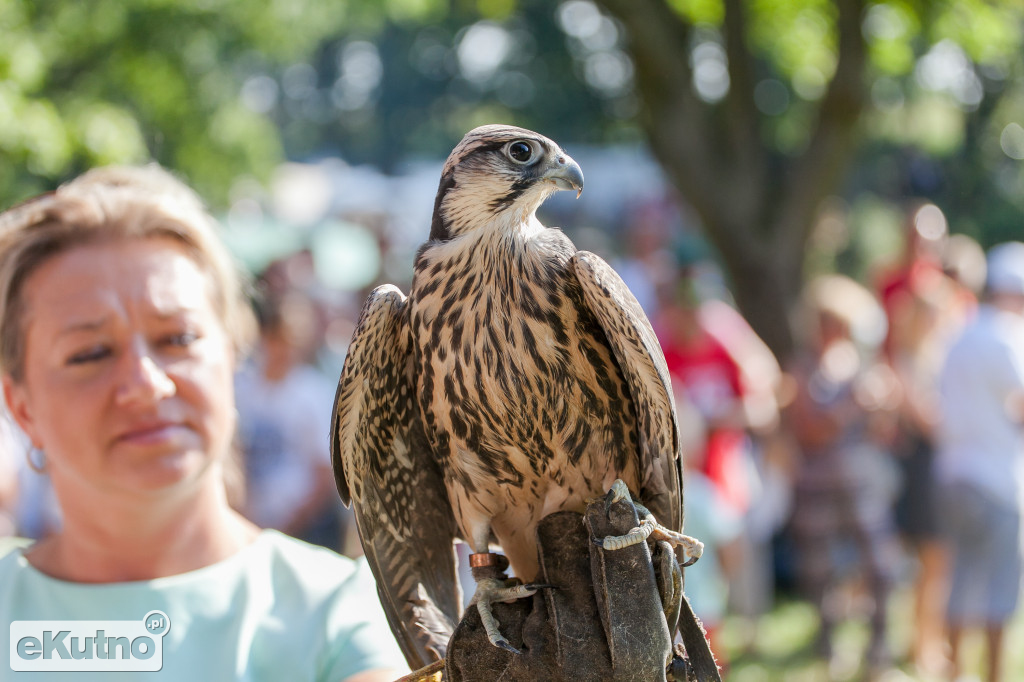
(19,406)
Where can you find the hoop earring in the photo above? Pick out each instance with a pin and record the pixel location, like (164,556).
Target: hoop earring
(40,466)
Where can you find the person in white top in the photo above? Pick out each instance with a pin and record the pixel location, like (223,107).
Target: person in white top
(980,459)
(120,320)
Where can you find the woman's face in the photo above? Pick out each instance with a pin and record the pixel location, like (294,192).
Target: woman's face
(127,385)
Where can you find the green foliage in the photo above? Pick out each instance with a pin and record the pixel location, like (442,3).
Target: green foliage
(120,81)
(710,12)
(797,36)
(892,30)
(990,32)
(929,121)
(216,89)
(482,61)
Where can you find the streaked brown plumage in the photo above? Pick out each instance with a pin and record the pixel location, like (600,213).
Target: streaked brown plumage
(519,378)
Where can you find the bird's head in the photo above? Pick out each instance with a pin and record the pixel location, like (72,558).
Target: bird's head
(499,172)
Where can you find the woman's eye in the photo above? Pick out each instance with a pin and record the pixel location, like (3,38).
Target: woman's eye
(89,355)
(181,340)
(520,152)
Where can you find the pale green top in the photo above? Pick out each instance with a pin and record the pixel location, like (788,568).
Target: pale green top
(278,610)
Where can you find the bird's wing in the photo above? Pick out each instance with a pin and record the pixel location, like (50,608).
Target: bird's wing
(642,362)
(384,467)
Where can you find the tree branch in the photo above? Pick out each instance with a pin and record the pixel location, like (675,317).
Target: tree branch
(686,133)
(742,121)
(817,171)
(673,116)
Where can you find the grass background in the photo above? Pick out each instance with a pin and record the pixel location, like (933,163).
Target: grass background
(783,648)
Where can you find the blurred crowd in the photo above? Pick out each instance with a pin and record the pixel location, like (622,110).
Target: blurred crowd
(903,390)
(819,476)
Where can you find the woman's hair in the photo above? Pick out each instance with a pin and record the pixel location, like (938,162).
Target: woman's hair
(109,205)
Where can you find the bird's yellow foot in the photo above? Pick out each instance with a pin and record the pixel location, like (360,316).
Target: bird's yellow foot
(649,527)
(491,590)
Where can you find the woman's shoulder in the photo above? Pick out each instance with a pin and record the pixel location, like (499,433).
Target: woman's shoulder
(292,562)
(315,585)
(278,546)
(10,543)
(12,559)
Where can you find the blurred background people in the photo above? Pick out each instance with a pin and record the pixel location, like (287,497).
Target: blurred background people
(841,416)
(925,232)
(709,379)
(980,461)
(284,418)
(916,357)
(963,262)
(646,261)
(724,379)
(924,307)
(719,526)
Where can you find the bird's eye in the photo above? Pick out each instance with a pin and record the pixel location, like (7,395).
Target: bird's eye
(520,152)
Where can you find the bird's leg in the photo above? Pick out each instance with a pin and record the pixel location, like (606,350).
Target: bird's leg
(492,586)
(489,591)
(649,527)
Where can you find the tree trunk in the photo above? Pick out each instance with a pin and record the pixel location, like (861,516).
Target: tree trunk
(766,287)
(757,205)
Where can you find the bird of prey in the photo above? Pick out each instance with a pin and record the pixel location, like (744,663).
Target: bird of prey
(520,377)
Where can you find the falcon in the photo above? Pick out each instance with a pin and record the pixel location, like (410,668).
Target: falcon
(519,378)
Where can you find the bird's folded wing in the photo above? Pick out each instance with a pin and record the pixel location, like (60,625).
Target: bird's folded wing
(642,362)
(383,466)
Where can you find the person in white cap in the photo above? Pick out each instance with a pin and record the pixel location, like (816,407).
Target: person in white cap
(980,460)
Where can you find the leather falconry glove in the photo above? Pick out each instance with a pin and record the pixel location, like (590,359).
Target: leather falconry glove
(611,615)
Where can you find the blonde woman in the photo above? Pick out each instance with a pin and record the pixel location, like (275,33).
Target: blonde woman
(121,318)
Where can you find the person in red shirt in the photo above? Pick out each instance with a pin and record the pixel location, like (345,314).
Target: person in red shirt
(725,381)
(708,378)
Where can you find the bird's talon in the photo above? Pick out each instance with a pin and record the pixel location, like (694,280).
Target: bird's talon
(540,586)
(503,644)
(616,493)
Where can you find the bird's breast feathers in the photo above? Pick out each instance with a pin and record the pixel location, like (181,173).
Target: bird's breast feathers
(516,379)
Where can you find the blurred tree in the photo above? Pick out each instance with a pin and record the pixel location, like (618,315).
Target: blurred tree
(100,81)
(757,109)
(382,92)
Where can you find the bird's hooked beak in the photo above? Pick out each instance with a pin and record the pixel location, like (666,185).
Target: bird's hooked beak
(564,173)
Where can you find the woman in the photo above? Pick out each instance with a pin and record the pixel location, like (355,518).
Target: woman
(120,321)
